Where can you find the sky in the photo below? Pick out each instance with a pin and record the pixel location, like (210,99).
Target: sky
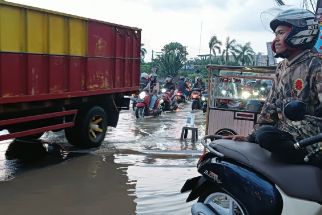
(189,22)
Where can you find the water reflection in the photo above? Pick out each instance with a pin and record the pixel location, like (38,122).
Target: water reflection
(139,169)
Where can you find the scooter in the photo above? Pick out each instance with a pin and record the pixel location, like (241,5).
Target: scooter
(243,178)
(143,104)
(204,101)
(169,100)
(180,97)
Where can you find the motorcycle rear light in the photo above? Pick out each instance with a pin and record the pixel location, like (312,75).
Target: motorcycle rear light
(201,158)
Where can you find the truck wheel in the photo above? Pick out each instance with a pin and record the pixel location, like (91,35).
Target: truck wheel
(90,128)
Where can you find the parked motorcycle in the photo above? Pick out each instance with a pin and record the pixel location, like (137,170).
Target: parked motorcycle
(243,178)
(143,104)
(169,100)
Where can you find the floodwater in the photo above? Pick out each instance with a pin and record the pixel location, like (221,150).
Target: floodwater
(139,169)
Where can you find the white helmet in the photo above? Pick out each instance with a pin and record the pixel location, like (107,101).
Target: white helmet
(304,27)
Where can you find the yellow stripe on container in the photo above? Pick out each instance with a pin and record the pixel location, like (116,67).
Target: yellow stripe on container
(33,31)
(11,29)
(77,37)
(37,32)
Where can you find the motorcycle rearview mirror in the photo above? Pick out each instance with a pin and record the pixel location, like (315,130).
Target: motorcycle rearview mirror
(295,110)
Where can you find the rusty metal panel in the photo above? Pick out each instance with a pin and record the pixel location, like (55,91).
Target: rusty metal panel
(58,74)
(99,74)
(37,75)
(101,42)
(55,55)
(119,73)
(77,74)
(12,75)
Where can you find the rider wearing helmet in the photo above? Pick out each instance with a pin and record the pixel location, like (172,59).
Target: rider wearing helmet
(199,83)
(153,88)
(169,85)
(298,77)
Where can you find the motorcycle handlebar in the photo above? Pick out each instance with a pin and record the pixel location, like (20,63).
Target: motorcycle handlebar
(308,141)
(206,145)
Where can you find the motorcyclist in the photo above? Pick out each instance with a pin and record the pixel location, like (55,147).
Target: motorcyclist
(153,88)
(299,77)
(144,80)
(169,85)
(182,86)
(199,84)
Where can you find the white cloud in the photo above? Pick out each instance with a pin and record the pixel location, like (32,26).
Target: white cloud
(184,21)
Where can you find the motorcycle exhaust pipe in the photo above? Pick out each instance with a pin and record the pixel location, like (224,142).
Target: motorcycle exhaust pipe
(201,209)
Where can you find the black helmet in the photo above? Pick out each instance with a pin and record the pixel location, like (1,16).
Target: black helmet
(304,28)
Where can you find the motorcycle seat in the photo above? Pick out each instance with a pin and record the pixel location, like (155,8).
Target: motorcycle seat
(296,180)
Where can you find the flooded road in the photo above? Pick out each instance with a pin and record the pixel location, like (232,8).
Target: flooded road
(139,169)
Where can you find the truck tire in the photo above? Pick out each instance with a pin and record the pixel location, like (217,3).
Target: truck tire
(90,128)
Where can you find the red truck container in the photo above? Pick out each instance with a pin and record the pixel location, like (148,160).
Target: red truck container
(59,71)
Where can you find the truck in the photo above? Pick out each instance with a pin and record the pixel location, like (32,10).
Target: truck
(60,71)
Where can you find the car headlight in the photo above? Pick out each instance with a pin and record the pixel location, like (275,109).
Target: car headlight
(142,95)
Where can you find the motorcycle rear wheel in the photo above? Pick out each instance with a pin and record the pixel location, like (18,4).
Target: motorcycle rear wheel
(222,202)
(139,113)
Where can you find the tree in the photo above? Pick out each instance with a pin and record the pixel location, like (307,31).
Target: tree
(172,59)
(142,52)
(229,49)
(214,44)
(244,54)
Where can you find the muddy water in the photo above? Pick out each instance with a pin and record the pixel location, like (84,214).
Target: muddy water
(139,169)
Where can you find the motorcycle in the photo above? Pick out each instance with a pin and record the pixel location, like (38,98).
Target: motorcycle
(195,97)
(204,101)
(243,178)
(180,97)
(143,104)
(169,100)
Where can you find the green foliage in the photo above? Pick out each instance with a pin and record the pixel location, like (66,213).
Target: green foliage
(146,67)
(142,52)
(171,60)
(244,54)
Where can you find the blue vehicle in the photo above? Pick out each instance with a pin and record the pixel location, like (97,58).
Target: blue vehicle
(243,178)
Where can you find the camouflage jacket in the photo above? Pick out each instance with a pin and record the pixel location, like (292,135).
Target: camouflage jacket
(300,78)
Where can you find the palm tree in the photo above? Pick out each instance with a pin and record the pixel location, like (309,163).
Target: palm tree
(229,48)
(244,54)
(214,44)
(142,52)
